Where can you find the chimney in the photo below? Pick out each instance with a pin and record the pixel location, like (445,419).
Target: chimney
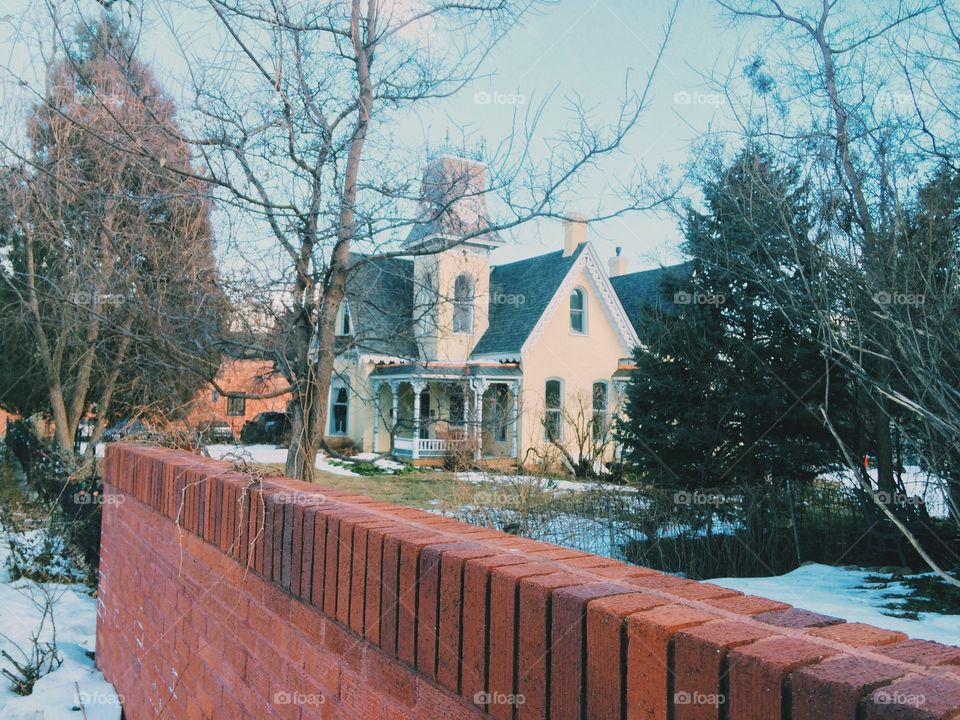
(618,263)
(574,233)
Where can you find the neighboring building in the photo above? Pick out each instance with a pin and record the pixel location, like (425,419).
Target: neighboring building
(243,375)
(450,354)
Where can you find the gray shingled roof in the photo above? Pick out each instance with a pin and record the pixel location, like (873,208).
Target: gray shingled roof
(645,289)
(535,280)
(380,294)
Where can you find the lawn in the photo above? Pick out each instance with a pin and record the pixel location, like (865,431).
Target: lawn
(425,489)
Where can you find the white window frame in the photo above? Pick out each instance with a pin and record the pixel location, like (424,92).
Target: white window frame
(604,413)
(582,311)
(343,314)
(335,387)
(463,306)
(548,411)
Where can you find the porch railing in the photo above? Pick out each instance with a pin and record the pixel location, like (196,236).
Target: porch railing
(427,447)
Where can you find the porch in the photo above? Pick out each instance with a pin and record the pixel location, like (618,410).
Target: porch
(435,411)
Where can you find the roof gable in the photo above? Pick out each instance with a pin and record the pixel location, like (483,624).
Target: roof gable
(519,294)
(640,290)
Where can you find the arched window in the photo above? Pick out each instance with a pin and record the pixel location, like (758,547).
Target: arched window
(578,311)
(339,408)
(344,319)
(601,411)
(553,407)
(463,305)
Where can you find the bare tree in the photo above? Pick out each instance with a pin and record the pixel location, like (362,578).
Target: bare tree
(109,265)
(867,106)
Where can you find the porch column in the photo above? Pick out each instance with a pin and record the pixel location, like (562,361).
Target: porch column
(479,387)
(418,387)
(376,416)
(515,412)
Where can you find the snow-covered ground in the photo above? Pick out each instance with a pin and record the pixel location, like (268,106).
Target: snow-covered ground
(545,483)
(56,695)
(844,593)
(916,482)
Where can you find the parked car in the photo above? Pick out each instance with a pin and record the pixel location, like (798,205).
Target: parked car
(124,428)
(266,428)
(215,431)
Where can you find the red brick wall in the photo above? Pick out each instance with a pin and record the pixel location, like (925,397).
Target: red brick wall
(220,598)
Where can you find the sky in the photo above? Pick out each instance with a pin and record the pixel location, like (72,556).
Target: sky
(589,49)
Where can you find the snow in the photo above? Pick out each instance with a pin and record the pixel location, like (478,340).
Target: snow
(547,483)
(844,593)
(268,454)
(54,695)
(916,482)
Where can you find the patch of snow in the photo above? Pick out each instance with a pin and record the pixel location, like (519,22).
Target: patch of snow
(546,483)
(74,613)
(916,482)
(843,593)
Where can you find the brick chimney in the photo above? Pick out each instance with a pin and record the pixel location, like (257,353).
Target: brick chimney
(618,263)
(574,233)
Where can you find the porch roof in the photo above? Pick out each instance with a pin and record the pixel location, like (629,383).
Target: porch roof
(447,371)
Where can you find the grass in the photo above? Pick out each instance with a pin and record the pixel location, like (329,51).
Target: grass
(416,488)
(927,593)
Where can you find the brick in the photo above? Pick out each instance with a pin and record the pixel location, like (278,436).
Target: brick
(476,614)
(568,669)
(606,648)
(797,618)
(700,665)
(921,652)
(858,635)
(834,688)
(759,675)
(747,604)
(431,592)
(390,678)
(650,634)
(915,698)
(702,591)
(505,630)
(409,569)
(535,636)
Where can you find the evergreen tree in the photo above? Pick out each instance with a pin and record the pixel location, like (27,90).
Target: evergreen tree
(727,389)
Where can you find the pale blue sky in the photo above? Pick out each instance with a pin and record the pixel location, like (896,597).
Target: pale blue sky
(575,47)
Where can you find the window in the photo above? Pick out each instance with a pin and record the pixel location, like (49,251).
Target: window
(344,320)
(425,414)
(501,413)
(553,420)
(463,305)
(340,410)
(601,419)
(578,312)
(236,406)
(457,405)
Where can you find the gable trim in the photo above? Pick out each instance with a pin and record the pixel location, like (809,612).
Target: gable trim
(590,263)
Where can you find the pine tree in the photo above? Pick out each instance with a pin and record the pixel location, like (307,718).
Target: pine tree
(726,388)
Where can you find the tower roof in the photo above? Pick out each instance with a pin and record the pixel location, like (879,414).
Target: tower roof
(453,203)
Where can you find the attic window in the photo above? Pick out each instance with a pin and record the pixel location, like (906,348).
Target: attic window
(578,312)
(463,305)
(344,320)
